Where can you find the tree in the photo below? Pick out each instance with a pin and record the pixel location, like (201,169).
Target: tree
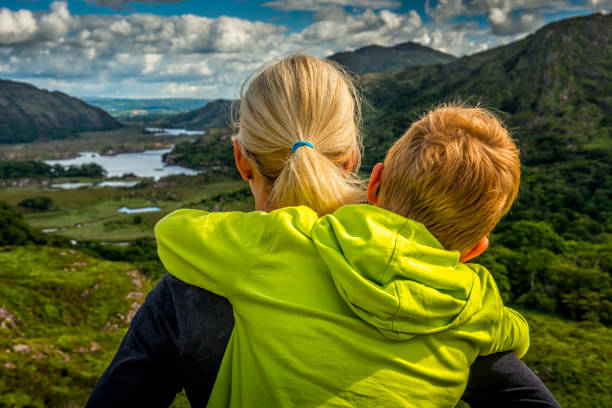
(14,230)
(37,203)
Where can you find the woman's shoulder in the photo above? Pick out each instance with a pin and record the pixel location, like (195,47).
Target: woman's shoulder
(246,230)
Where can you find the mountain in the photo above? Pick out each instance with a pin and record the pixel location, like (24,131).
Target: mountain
(556,82)
(28,113)
(375,58)
(121,107)
(216,114)
(553,90)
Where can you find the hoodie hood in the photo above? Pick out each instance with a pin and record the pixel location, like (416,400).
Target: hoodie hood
(393,273)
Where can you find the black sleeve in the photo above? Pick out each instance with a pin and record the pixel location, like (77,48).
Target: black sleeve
(208,324)
(501,380)
(146,368)
(176,340)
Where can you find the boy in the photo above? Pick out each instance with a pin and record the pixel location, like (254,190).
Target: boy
(364,306)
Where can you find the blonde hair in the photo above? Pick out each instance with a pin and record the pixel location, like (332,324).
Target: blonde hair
(456,170)
(303,98)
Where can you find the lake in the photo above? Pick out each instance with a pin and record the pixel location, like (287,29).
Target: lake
(143,164)
(110,183)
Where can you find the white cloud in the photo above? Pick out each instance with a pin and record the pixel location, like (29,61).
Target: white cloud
(151,63)
(57,23)
(506,17)
(16,27)
(139,52)
(23,26)
(188,55)
(600,5)
(351,31)
(504,23)
(445,9)
(193,56)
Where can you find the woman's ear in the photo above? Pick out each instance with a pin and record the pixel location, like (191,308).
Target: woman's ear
(474,251)
(374,183)
(349,165)
(242,164)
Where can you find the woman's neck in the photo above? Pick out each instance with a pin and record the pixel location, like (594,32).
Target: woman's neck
(260,189)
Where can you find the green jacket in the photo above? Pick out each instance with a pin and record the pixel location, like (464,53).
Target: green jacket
(362,307)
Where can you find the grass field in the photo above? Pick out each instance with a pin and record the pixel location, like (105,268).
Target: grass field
(91,213)
(574,359)
(63,315)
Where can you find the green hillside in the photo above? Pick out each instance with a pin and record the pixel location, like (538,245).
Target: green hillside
(553,86)
(573,359)
(554,91)
(63,314)
(121,107)
(28,113)
(375,58)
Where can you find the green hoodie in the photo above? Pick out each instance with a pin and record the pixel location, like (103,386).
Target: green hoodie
(362,307)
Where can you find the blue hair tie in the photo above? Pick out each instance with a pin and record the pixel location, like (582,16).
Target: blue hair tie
(297,145)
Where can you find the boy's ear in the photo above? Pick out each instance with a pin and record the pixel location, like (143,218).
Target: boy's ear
(374,183)
(242,164)
(474,251)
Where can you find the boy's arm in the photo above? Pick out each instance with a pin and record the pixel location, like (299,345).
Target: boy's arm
(503,381)
(509,330)
(510,334)
(190,242)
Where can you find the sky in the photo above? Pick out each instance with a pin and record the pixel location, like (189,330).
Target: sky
(207,48)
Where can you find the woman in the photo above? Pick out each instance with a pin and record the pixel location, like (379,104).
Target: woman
(289,107)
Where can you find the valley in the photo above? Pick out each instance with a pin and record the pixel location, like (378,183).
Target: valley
(123,140)
(91,213)
(551,256)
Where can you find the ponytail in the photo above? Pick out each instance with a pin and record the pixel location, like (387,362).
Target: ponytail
(304,99)
(310,178)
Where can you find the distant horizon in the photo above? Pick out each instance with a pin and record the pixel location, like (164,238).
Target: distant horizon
(169,49)
(113,97)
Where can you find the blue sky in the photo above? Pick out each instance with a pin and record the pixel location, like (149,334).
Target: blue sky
(205,49)
(295,20)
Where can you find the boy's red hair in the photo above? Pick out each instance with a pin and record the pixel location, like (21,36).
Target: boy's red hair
(456,170)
